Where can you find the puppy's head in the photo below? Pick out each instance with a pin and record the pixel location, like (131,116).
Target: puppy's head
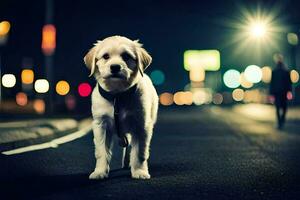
(117,62)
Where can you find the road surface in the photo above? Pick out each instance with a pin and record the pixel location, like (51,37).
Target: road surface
(197,153)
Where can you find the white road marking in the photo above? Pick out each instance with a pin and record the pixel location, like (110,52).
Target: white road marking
(52,144)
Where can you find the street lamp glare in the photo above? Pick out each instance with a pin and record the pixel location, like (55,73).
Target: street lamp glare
(258,29)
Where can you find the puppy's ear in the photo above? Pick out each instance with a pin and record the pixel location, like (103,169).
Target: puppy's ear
(90,59)
(144,59)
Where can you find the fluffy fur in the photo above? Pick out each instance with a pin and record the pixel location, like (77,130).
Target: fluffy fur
(138,111)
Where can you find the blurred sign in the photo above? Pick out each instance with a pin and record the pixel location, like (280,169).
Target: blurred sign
(206,59)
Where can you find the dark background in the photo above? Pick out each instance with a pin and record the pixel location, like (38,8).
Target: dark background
(166,28)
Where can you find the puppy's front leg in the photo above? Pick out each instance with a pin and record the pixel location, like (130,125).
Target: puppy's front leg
(140,153)
(102,141)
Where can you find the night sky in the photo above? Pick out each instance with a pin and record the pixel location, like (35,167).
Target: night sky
(166,28)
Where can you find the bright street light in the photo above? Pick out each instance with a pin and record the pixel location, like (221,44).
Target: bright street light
(258,29)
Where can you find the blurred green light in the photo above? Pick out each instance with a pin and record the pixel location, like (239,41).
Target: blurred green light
(292,38)
(231,78)
(207,59)
(157,77)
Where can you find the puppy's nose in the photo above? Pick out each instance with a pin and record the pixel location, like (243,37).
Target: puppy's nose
(115,68)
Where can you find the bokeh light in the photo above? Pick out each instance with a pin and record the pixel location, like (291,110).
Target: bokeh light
(253,73)
(231,78)
(244,82)
(238,94)
(62,87)
(217,99)
(289,95)
(49,39)
(178,98)
(294,75)
(39,106)
(21,99)
(157,77)
(70,101)
(4,28)
(207,59)
(187,98)
(253,96)
(183,98)
(41,86)
(199,97)
(197,74)
(266,74)
(84,89)
(8,80)
(27,76)
(292,38)
(166,99)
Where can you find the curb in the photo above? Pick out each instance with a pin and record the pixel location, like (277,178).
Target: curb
(53,132)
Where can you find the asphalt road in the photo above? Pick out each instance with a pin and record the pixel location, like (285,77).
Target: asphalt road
(205,153)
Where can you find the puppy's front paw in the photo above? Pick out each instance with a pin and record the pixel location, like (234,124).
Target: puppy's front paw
(98,175)
(140,174)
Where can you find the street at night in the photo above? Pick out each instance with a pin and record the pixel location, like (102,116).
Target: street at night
(204,153)
(150,99)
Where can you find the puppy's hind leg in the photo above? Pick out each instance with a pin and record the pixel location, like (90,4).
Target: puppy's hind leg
(103,145)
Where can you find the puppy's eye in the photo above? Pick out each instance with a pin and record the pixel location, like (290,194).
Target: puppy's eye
(126,56)
(106,56)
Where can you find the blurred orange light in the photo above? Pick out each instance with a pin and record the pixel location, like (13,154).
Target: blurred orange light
(166,99)
(39,106)
(49,39)
(21,99)
(238,94)
(178,98)
(62,88)
(294,76)
(187,98)
(253,96)
(244,82)
(4,28)
(27,76)
(266,74)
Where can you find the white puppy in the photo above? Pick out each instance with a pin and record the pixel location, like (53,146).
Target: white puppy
(124,103)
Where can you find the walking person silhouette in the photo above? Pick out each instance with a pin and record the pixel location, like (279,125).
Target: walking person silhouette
(280,86)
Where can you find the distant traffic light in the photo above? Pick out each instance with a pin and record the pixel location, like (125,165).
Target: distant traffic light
(49,39)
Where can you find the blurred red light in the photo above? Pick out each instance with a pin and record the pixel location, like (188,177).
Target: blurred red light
(84,89)
(289,95)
